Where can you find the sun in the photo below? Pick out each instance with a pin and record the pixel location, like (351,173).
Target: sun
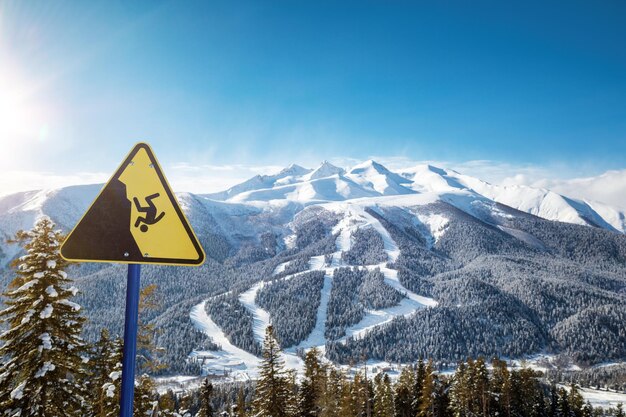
(24,119)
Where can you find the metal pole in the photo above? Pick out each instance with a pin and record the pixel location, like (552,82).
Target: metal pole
(130,341)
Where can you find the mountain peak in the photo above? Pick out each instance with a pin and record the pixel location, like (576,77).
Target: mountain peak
(326,169)
(293,169)
(369,165)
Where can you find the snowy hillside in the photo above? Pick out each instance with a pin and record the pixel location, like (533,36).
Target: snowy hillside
(393,265)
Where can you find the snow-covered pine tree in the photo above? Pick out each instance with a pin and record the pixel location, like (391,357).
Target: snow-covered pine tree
(292,392)
(383,396)
(43,369)
(426,406)
(106,376)
(272,388)
(145,395)
(206,391)
(310,388)
(420,374)
(403,399)
(333,391)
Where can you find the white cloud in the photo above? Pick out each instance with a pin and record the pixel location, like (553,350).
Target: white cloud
(182,177)
(206,178)
(15,181)
(609,187)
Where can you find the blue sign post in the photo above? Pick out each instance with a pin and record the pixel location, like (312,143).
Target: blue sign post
(130,340)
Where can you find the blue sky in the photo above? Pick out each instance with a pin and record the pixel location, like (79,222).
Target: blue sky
(262,84)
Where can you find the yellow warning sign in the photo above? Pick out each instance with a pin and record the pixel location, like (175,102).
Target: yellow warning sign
(135,219)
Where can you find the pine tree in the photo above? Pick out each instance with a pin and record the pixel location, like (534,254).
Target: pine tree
(563,403)
(145,396)
(167,404)
(43,370)
(206,391)
(333,392)
(148,353)
(501,388)
(420,374)
(292,393)
(241,403)
(106,376)
(620,410)
(459,392)
(347,406)
(441,402)
(426,402)
(383,396)
(403,399)
(310,387)
(576,401)
(481,387)
(360,394)
(553,401)
(272,389)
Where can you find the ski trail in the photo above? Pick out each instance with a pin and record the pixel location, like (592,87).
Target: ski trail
(390,246)
(229,355)
(316,337)
(260,317)
(354,218)
(391,279)
(280,268)
(317,263)
(409,305)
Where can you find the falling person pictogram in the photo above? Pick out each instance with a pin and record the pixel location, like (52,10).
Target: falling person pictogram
(151,213)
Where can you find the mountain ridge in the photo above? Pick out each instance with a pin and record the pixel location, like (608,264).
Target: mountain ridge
(383,258)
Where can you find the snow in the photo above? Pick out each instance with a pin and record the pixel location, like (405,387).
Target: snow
(317,263)
(375,177)
(71,304)
(51,264)
(45,368)
(109,390)
(18,392)
(280,268)
(115,375)
(28,285)
(316,337)
(51,291)
(436,224)
(46,341)
(243,364)
(600,398)
(354,217)
(28,316)
(326,169)
(260,317)
(38,275)
(46,312)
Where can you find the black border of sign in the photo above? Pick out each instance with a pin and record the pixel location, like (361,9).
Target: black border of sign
(171,196)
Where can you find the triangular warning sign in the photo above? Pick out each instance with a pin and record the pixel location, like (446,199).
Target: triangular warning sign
(135,219)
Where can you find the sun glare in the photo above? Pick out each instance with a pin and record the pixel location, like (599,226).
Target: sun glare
(23,118)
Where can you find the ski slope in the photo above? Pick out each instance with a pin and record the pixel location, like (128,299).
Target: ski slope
(355,217)
(242,364)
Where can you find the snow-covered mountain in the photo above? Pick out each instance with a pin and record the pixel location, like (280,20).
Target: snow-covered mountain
(371,179)
(295,187)
(426,261)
